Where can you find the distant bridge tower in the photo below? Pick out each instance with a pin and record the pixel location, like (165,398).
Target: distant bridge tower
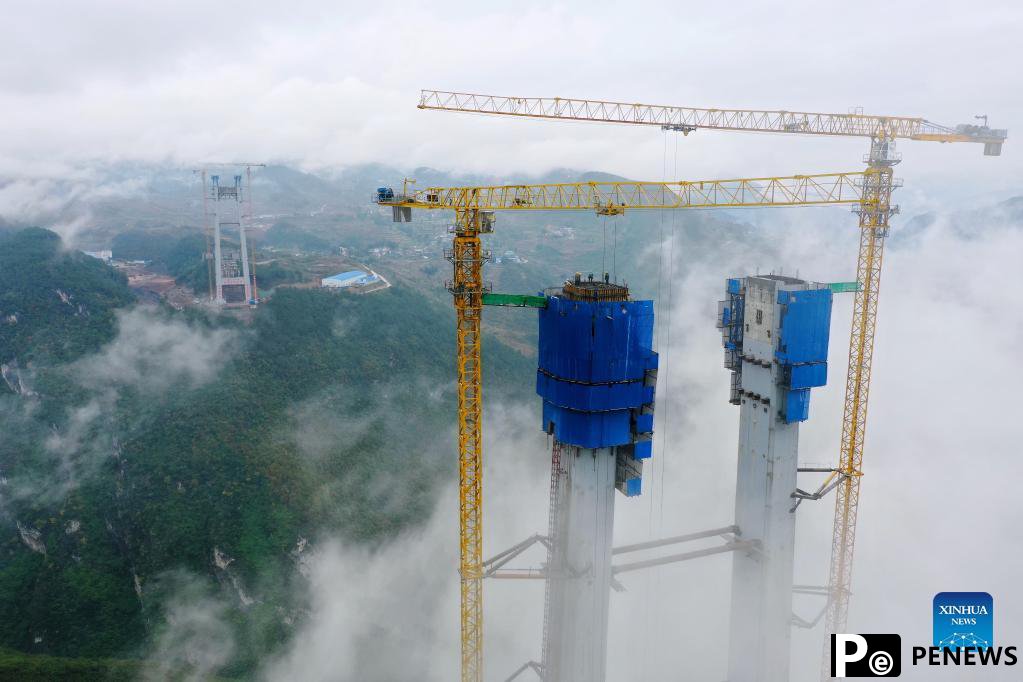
(227,213)
(775,331)
(597,373)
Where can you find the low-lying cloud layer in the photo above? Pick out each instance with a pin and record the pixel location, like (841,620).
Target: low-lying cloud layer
(194,639)
(152,354)
(934,513)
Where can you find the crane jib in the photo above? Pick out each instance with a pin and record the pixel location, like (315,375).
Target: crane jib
(688,119)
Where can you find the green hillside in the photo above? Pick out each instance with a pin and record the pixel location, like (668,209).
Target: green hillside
(54,303)
(118,477)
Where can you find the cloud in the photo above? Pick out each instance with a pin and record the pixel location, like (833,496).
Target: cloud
(59,196)
(153,352)
(391,612)
(941,421)
(376,614)
(30,199)
(195,639)
(326,84)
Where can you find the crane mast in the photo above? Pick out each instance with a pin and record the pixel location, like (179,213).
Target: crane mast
(473,208)
(874,213)
(467,288)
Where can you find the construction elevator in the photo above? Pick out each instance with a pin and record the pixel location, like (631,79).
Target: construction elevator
(597,373)
(775,331)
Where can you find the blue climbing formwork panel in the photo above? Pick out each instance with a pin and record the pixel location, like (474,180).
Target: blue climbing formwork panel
(801,350)
(596,375)
(597,342)
(809,376)
(797,405)
(803,336)
(588,429)
(592,397)
(805,326)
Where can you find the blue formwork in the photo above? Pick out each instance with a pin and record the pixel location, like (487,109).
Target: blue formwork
(809,376)
(596,373)
(797,405)
(802,350)
(597,342)
(805,326)
(802,347)
(593,397)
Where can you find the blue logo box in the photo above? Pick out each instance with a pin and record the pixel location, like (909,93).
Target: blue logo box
(963,620)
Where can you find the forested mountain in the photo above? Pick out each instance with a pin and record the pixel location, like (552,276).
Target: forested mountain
(54,303)
(144,447)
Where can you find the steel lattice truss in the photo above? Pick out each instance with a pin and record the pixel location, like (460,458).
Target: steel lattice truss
(694,118)
(616,197)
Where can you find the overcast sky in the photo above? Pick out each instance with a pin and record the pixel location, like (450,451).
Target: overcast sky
(327,84)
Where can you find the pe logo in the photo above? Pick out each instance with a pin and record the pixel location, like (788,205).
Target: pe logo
(866,655)
(963,620)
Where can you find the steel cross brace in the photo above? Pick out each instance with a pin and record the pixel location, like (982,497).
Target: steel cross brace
(829,484)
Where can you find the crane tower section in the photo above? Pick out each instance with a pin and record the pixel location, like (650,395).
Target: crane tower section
(232,276)
(597,374)
(775,331)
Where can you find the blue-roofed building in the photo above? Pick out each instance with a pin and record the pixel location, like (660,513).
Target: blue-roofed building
(352,278)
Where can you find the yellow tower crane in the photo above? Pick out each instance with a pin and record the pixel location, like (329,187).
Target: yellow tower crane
(874,213)
(474,207)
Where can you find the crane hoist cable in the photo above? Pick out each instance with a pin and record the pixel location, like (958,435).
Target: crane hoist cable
(603,252)
(666,413)
(649,588)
